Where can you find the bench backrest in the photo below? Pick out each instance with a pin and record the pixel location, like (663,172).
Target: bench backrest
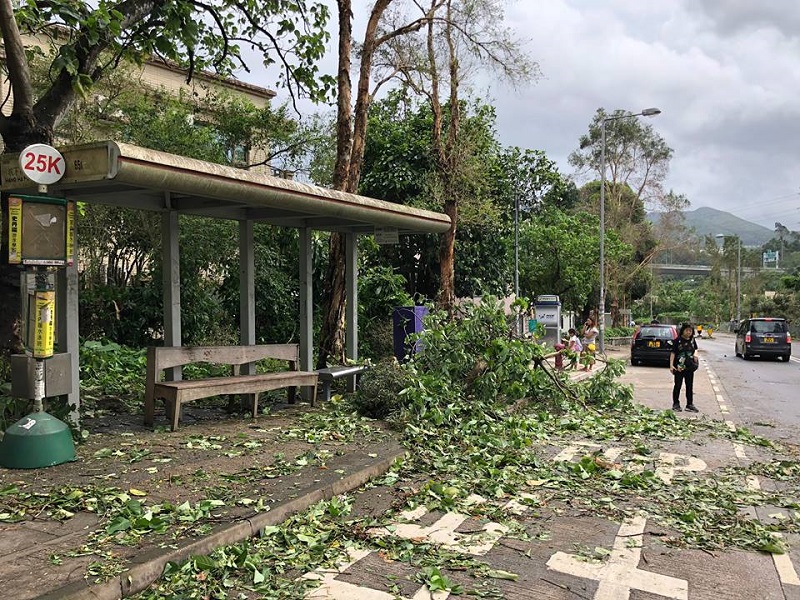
(166,357)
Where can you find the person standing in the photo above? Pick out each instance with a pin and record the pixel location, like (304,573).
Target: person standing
(589,341)
(683,362)
(575,348)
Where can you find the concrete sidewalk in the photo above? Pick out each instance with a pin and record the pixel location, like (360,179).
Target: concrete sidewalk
(278,463)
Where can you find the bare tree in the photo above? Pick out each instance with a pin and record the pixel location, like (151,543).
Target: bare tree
(461,38)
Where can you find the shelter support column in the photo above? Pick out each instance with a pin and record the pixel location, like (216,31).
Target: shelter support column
(247,301)
(247,290)
(306,302)
(67,331)
(351,310)
(170,258)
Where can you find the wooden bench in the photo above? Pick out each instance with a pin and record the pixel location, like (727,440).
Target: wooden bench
(327,376)
(175,393)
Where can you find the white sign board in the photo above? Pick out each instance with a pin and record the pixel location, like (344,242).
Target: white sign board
(386,235)
(547,315)
(42,164)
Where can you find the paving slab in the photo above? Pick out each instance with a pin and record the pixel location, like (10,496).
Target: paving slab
(274,459)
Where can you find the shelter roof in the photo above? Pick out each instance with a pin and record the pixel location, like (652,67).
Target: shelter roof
(124,175)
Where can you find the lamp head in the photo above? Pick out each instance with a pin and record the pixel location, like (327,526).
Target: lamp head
(651,112)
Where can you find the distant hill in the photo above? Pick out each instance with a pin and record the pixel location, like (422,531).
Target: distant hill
(710,221)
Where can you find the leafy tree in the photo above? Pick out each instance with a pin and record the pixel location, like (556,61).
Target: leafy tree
(558,255)
(532,179)
(88,40)
(399,165)
(636,159)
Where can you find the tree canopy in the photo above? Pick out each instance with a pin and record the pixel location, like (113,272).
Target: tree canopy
(85,41)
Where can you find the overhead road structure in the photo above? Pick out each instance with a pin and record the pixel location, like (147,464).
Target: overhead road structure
(124,175)
(676,269)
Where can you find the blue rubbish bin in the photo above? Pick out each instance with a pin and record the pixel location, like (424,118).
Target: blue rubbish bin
(406,320)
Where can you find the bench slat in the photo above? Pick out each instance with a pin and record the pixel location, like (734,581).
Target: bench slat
(166,357)
(185,391)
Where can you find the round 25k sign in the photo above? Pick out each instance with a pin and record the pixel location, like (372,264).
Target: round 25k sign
(42,164)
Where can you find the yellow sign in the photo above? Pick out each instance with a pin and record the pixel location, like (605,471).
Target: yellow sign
(70,232)
(44,325)
(14,230)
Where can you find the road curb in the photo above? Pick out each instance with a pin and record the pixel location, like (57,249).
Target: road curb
(149,567)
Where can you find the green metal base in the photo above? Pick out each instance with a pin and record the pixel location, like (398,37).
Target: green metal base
(38,440)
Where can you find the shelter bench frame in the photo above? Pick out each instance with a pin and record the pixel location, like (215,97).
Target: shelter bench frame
(329,375)
(176,393)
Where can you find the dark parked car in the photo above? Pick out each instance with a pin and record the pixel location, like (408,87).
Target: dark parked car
(765,337)
(653,343)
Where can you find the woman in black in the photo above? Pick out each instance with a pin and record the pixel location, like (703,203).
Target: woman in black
(683,364)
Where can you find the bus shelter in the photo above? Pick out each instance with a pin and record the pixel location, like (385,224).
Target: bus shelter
(129,176)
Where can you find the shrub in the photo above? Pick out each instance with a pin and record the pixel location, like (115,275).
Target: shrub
(112,369)
(379,390)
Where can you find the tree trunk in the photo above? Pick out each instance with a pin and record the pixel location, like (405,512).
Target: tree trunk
(448,163)
(351,131)
(447,286)
(331,343)
(331,335)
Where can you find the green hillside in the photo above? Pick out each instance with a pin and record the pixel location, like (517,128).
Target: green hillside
(710,221)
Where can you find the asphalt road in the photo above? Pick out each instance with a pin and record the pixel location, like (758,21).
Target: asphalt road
(764,391)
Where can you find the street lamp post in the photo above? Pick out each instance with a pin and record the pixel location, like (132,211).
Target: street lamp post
(519,324)
(722,236)
(601,316)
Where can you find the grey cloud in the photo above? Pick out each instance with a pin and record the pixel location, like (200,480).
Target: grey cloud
(734,16)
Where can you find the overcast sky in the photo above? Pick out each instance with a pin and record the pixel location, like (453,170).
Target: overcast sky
(725,73)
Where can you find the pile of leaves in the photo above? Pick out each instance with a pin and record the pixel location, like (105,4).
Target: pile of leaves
(478,410)
(481,412)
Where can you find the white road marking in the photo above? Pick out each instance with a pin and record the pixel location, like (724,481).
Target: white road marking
(443,532)
(715,388)
(620,574)
(739,450)
(784,567)
(517,507)
(332,589)
(568,453)
(783,562)
(667,463)
(720,398)
(668,467)
(731,425)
